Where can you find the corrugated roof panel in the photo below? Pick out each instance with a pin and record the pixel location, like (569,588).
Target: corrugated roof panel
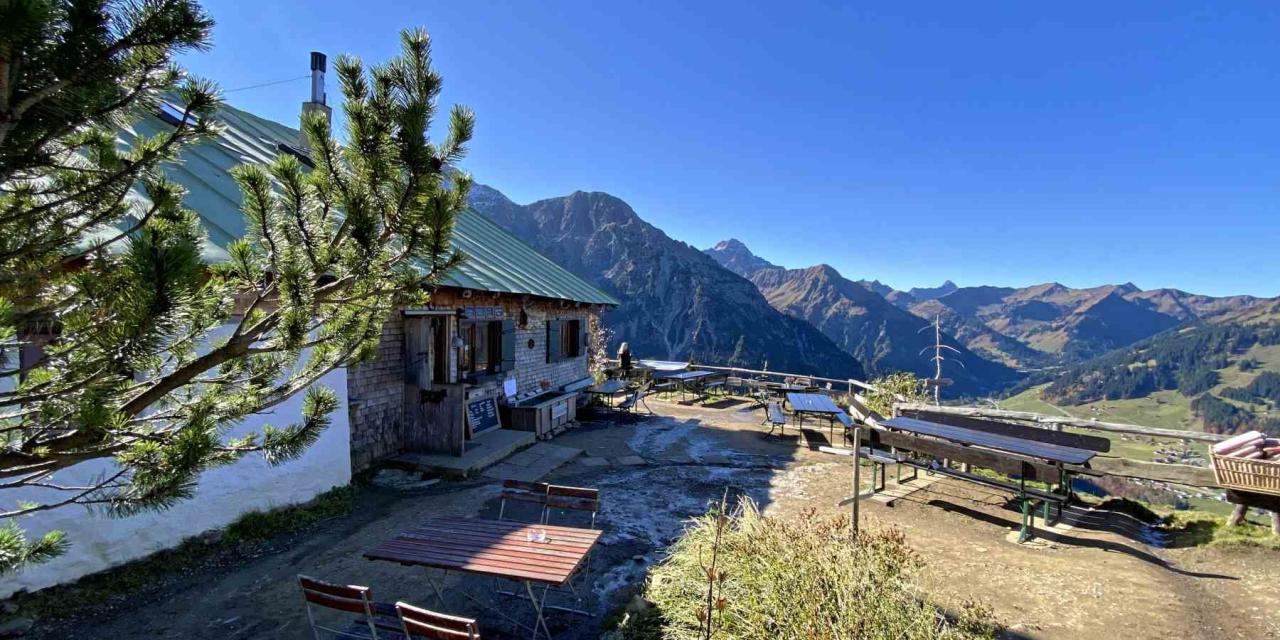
(495,260)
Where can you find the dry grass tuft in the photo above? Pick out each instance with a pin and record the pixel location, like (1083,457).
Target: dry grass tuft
(793,578)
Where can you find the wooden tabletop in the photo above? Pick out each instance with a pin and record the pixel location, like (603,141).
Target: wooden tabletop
(608,387)
(490,547)
(812,403)
(1010,444)
(685,375)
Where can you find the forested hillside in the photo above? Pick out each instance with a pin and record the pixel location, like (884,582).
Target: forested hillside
(1231,371)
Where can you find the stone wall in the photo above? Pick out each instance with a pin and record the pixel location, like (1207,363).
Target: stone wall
(532,367)
(376,388)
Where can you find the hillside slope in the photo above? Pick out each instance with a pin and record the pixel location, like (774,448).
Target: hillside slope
(1064,324)
(884,337)
(677,303)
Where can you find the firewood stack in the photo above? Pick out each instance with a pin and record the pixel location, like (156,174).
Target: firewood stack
(1249,462)
(1253,445)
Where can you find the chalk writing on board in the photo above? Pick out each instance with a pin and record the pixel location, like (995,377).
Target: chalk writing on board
(482,415)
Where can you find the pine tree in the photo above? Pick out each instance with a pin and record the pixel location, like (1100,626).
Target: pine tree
(152,352)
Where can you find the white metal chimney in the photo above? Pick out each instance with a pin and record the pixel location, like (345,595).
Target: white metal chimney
(317,101)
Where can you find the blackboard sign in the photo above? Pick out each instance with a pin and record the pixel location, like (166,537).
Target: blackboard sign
(482,415)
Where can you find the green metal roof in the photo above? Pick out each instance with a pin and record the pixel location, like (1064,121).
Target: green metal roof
(495,260)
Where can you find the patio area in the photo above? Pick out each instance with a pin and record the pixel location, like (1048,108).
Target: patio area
(655,472)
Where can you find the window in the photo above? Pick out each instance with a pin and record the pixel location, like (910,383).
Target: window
(487,347)
(564,339)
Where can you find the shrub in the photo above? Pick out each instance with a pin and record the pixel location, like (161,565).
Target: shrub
(798,577)
(892,387)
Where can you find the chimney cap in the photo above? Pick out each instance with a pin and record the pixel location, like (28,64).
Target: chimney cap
(317,61)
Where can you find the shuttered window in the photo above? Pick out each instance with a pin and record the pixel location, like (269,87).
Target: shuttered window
(564,339)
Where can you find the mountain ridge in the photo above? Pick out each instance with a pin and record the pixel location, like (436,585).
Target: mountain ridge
(884,337)
(677,303)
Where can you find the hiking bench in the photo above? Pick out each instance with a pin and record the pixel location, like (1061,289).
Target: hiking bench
(936,440)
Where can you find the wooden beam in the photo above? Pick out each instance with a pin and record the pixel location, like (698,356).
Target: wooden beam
(1256,500)
(997,461)
(1183,474)
(1024,431)
(1043,419)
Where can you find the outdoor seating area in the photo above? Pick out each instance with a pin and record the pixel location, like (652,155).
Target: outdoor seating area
(557,556)
(543,557)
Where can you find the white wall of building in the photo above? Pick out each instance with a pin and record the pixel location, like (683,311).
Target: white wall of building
(99,542)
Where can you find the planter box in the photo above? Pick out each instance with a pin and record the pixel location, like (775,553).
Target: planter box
(546,415)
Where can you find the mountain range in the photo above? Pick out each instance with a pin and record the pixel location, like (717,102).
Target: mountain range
(727,305)
(677,303)
(884,337)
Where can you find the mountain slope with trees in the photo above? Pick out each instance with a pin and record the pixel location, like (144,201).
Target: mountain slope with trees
(884,337)
(677,303)
(1063,325)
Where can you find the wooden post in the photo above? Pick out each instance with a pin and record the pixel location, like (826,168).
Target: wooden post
(857,484)
(1237,515)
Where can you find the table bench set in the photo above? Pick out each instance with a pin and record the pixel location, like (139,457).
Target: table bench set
(543,557)
(935,442)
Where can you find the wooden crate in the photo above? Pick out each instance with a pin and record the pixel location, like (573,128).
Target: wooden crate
(1258,476)
(546,417)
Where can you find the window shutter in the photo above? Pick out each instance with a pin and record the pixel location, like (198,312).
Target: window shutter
(553,340)
(508,354)
(584,338)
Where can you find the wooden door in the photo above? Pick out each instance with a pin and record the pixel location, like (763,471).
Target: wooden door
(433,409)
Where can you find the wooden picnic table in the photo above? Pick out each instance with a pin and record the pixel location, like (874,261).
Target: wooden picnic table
(1022,451)
(1052,453)
(493,548)
(803,404)
(684,378)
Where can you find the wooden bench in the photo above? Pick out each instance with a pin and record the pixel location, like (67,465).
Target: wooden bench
(1032,454)
(579,385)
(710,386)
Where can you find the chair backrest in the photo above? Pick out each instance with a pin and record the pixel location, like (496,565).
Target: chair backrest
(521,491)
(423,623)
(529,488)
(573,499)
(338,597)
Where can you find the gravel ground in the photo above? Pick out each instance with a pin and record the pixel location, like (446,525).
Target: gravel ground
(656,473)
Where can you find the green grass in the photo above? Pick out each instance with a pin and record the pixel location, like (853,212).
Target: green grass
(119,582)
(1197,528)
(1164,409)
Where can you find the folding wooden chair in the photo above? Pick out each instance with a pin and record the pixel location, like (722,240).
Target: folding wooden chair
(422,623)
(528,492)
(376,620)
(636,399)
(582,499)
(564,498)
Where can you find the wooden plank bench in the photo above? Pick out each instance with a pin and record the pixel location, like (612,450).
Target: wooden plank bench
(1024,452)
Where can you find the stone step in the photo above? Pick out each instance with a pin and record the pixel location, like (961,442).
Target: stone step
(533,463)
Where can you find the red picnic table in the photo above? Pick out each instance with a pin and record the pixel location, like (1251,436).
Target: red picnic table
(529,553)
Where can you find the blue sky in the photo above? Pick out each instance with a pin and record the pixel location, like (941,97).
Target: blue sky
(989,143)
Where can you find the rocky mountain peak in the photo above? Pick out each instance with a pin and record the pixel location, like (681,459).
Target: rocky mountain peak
(733,255)
(930,293)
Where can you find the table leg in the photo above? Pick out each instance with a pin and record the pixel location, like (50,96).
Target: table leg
(436,587)
(537,607)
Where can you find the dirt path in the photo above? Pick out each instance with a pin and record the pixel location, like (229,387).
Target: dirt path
(1076,584)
